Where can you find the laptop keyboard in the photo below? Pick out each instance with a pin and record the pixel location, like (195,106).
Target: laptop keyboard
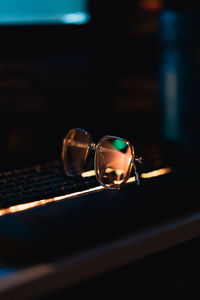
(49,180)
(39,182)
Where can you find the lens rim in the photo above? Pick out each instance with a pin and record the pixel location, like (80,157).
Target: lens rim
(86,152)
(97,171)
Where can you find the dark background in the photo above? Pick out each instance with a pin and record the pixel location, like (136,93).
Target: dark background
(132,71)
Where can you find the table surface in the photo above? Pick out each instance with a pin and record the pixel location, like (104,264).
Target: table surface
(77,238)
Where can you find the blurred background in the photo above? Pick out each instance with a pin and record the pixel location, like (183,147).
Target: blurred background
(126,68)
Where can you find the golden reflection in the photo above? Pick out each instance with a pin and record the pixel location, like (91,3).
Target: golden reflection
(131,179)
(26,206)
(88,173)
(151,174)
(117,181)
(156,173)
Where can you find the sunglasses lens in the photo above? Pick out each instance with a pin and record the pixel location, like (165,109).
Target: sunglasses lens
(74,152)
(113,161)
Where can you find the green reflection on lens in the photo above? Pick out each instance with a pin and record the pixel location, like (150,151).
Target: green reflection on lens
(119,144)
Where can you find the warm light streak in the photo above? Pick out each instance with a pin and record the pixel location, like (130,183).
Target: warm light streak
(151,174)
(108,170)
(26,206)
(72,195)
(88,173)
(117,181)
(131,179)
(156,173)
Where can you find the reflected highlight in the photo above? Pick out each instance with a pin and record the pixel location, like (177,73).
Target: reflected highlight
(146,175)
(89,173)
(26,206)
(156,173)
(30,205)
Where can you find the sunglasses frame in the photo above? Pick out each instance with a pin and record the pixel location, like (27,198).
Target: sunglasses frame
(92,146)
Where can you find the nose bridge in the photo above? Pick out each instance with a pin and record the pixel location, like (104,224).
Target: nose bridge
(93,146)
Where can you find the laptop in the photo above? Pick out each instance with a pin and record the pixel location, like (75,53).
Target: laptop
(72,228)
(57,231)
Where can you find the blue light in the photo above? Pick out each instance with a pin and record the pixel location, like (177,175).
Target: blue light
(4,271)
(168,17)
(22,12)
(168,25)
(170,73)
(78,18)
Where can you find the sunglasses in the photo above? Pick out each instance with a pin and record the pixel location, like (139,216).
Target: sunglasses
(113,161)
